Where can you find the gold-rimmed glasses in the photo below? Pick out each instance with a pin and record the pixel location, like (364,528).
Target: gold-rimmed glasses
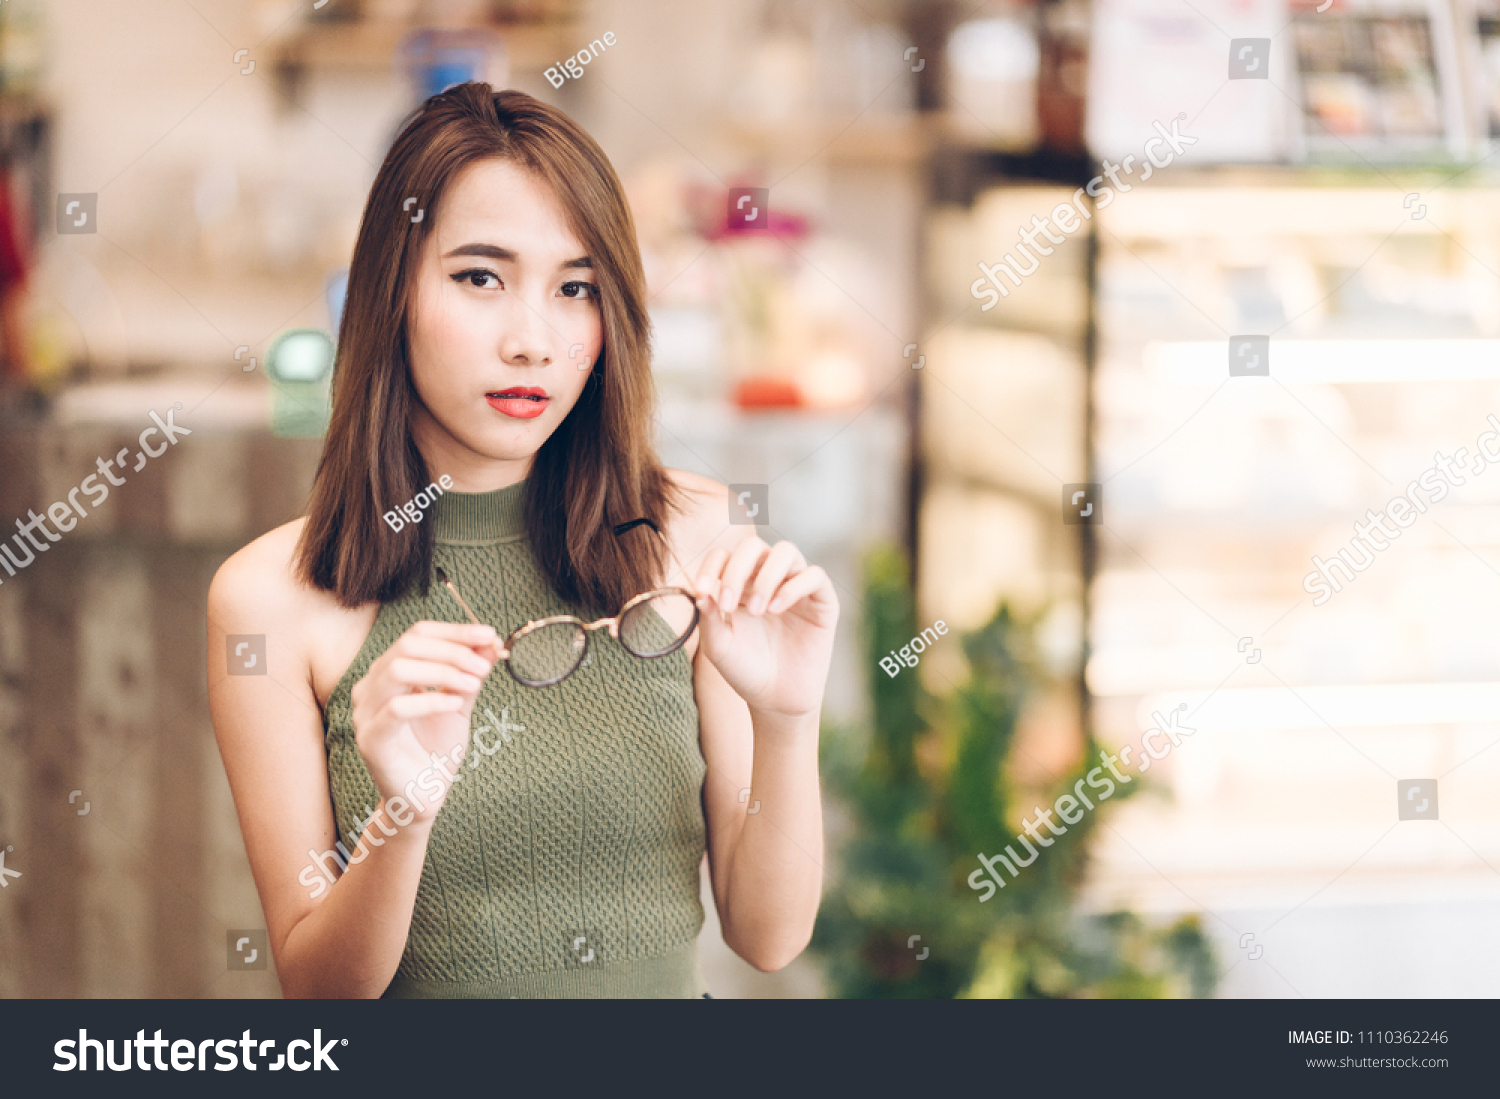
(650,625)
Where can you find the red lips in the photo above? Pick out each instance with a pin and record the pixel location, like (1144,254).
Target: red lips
(519,401)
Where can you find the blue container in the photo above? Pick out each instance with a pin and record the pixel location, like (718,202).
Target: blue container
(438,59)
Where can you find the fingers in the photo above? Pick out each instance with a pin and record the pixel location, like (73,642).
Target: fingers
(432,657)
(784,560)
(812,582)
(708,583)
(408,673)
(742,564)
(462,633)
(419,646)
(422,704)
(376,722)
(763,578)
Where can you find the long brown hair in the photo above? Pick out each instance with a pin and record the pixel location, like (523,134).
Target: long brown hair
(597,469)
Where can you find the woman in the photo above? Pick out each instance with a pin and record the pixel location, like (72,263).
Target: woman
(489,453)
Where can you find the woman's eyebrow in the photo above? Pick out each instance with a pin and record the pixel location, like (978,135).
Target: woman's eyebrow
(489,251)
(505,255)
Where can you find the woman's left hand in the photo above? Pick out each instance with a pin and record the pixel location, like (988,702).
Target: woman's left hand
(767,621)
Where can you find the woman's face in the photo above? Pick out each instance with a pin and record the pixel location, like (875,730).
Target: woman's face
(504,329)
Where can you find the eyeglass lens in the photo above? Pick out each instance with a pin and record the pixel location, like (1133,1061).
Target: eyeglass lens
(656,626)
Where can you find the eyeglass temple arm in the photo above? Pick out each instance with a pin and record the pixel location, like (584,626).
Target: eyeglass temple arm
(643,522)
(443,579)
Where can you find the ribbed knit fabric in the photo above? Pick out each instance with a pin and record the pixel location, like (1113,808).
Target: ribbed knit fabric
(565,864)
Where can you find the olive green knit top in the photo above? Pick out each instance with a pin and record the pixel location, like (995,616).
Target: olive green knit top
(565,861)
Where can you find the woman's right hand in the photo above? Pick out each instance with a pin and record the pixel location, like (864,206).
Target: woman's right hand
(399,722)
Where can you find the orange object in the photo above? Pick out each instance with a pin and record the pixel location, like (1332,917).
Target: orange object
(762,391)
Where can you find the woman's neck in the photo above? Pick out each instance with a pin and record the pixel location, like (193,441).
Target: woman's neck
(468,470)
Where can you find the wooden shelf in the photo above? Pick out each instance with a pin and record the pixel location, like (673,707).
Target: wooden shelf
(371,45)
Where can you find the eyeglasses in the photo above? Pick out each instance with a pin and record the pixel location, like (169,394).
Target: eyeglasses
(547,651)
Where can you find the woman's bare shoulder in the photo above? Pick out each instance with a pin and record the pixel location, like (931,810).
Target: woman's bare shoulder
(702,521)
(261,579)
(260,590)
(696,491)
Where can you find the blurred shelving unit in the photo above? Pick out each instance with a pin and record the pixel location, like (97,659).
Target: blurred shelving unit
(1343,207)
(1003,418)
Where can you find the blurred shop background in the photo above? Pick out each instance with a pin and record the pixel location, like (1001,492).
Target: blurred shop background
(183,184)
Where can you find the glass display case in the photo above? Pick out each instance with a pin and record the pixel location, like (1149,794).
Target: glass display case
(1313,689)
(1276,337)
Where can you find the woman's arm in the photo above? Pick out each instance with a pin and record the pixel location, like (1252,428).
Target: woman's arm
(767,621)
(765,850)
(343,940)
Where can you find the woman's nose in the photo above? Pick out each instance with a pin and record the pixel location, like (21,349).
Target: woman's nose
(527,339)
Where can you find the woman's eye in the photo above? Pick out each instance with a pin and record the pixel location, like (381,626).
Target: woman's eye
(580,290)
(476,273)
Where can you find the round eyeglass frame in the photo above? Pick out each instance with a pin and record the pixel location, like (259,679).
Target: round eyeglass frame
(612,624)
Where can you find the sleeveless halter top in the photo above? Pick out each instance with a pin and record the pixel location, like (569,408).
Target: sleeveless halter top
(565,862)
